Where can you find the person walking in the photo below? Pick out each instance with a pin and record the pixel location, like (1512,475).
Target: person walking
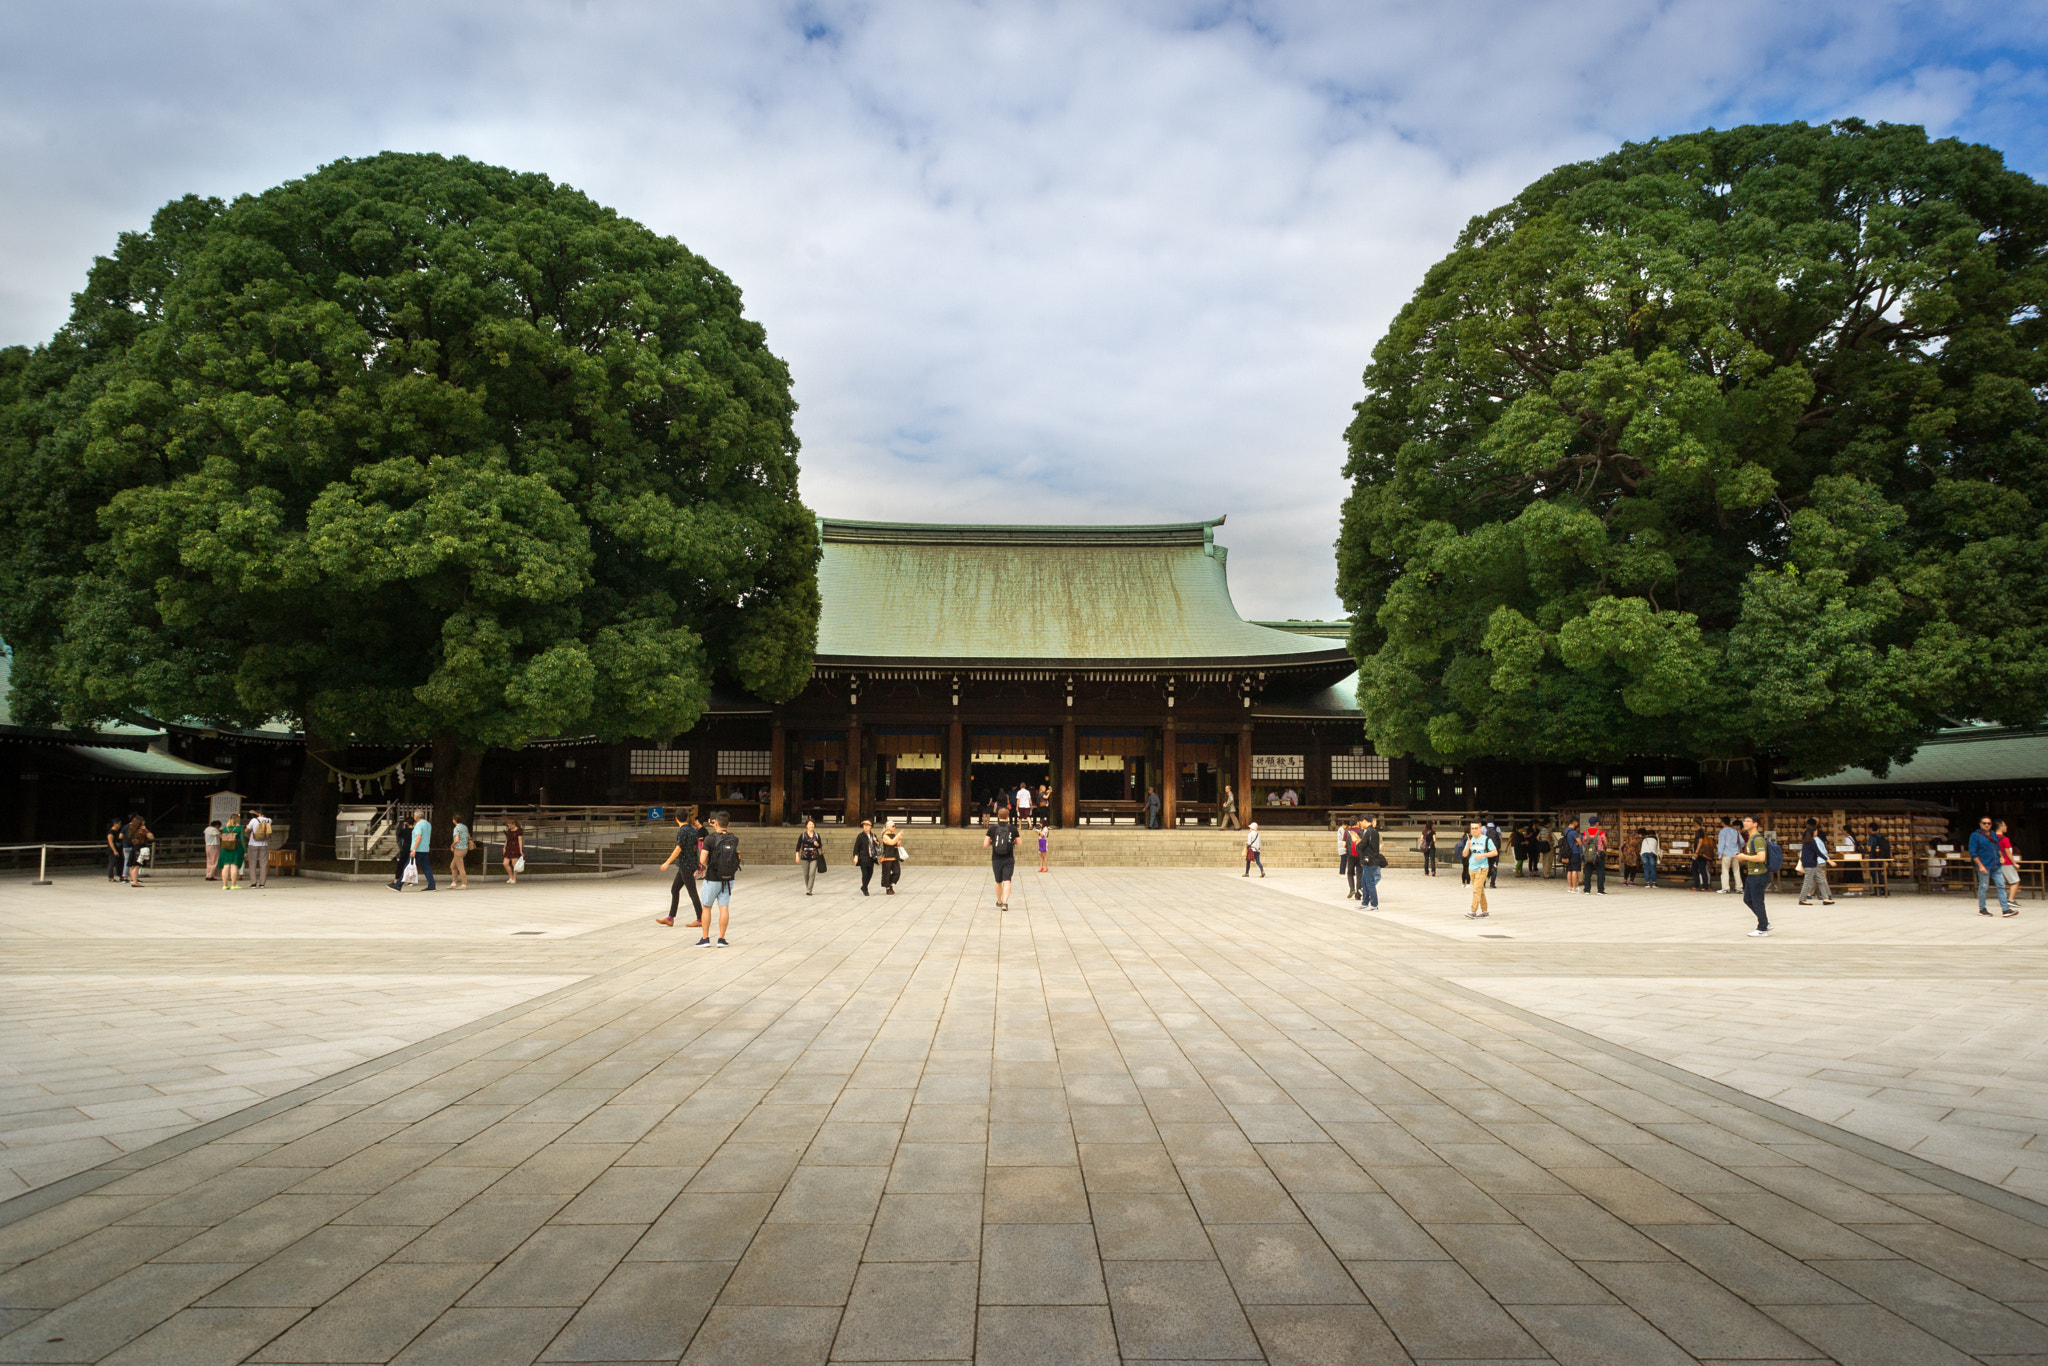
(1593,848)
(1813,863)
(1251,850)
(403,836)
(1574,855)
(458,854)
(1728,844)
(866,851)
(1023,804)
(1492,831)
(688,856)
(515,851)
(892,858)
(721,864)
(810,852)
(1001,843)
(1650,852)
(2008,868)
(1988,863)
(423,849)
(1755,858)
(1702,860)
(231,852)
(1229,809)
(1480,852)
(212,834)
(1152,808)
(117,861)
(1880,860)
(1429,848)
(1347,861)
(1044,846)
(1370,860)
(259,828)
(1045,802)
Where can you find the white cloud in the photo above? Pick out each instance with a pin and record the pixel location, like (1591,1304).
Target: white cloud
(1040,261)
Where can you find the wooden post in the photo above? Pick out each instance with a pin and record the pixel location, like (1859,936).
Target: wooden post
(1244,774)
(856,797)
(1070,776)
(778,784)
(1170,761)
(956,808)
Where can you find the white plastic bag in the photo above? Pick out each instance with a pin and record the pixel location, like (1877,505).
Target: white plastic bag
(519,864)
(410,875)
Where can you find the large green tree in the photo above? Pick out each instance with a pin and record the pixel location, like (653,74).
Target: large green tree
(412,449)
(1721,444)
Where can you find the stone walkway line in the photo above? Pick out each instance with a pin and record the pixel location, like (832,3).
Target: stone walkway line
(1141,1117)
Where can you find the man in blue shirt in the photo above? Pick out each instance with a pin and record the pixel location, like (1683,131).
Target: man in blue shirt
(1985,858)
(422,849)
(1727,845)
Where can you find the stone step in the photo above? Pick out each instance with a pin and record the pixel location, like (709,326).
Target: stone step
(935,846)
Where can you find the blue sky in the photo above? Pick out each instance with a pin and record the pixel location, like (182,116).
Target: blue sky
(1027,262)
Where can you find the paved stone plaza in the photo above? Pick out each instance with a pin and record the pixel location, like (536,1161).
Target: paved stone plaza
(1145,1116)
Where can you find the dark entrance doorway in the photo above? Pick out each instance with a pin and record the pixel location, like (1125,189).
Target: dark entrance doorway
(999,761)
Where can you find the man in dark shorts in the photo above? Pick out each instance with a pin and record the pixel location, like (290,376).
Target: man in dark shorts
(1001,842)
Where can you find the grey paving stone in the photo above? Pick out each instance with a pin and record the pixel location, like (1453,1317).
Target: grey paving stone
(257,1233)
(1149,1228)
(1324,1335)
(1957,1315)
(1829,1197)
(937,1169)
(856,1145)
(85,1263)
(1281,1264)
(751,1335)
(1113,1124)
(946,1124)
(1695,1312)
(1209,1145)
(1783,1224)
(830,1195)
(781,1124)
(1752,1269)
(1581,1230)
(220,1198)
(1030,1145)
(371,1170)
(1440,1195)
(486,1229)
(1682,1171)
(503,1145)
(1436,1310)
(95,1324)
(626,1195)
(1866,1335)
(797,1264)
(926,1228)
(909,1311)
(644,1311)
(1128,1168)
(1599,1335)
(1045,1335)
(205,1337)
(1369,1228)
(747,1167)
(1040,1264)
(1377,1145)
(1238,1195)
(1516,1266)
(1981,1267)
(466,1337)
(559,1265)
(561,1168)
(313,1270)
(1177,1311)
(425,1197)
(376,1317)
(1034,1195)
(704,1227)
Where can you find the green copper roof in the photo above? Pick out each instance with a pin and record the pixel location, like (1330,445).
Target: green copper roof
(1052,596)
(144,765)
(1970,754)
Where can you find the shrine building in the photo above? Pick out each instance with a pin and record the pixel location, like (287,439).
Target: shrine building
(956,663)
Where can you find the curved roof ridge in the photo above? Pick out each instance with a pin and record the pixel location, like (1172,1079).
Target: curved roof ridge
(846,531)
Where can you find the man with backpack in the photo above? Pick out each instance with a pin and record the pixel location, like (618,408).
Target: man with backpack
(1368,861)
(1593,848)
(1760,860)
(721,864)
(259,848)
(1001,842)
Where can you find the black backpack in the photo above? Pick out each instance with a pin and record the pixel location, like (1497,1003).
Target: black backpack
(722,858)
(1002,840)
(1774,857)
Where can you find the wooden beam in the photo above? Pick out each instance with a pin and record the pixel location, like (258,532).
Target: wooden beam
(778,780)
(1070,775)
(955,776)
(1169,797)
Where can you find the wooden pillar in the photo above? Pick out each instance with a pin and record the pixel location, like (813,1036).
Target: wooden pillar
(856,793)
(1244,774)
(1070,776)
(1170,761)
(956,808)
(778,781)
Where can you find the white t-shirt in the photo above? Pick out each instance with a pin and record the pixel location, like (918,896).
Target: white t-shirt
(1023,799)
(1650,845)
(213,837)
(259,833)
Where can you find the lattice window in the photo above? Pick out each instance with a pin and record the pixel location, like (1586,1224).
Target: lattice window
(744,763)
(1358,768)
(661,763)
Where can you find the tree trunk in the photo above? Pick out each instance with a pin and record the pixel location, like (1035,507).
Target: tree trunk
(316,801)
(455,772)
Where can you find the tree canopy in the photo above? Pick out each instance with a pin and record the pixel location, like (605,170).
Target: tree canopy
(411,448)
(1721,444)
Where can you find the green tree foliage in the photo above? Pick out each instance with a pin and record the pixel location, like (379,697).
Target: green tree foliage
(1720,444)
(413,448)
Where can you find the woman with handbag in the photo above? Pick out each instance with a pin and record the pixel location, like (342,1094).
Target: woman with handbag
(1251,850)
(515,851)
(810,852)
(892,858)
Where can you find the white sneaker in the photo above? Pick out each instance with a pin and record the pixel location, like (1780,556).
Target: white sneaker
(1759,934)
(1721,891)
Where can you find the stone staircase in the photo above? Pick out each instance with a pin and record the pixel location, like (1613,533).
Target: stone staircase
(1087,847)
